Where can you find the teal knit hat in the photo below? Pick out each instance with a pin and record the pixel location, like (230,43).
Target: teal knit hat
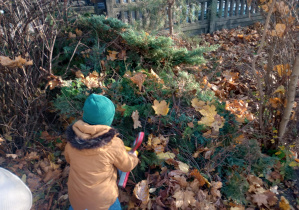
(98,110)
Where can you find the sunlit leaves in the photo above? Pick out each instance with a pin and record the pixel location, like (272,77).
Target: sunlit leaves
(239,108)
(18,62)
(112,55)
(157,144)
(137,78)
(283,70)
(92,80)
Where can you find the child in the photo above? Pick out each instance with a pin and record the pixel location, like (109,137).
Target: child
(94,153)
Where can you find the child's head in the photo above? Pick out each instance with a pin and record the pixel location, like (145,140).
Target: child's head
(98,110)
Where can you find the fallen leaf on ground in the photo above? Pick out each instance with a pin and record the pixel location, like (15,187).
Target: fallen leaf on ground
(184,199)
(78,32)
(13,156)
(208,113)
(158,144)
(183,166)
(141,191)
(215,189)
(138,79)
(161,108)
(198,105)
(71,35)
(196,174)
(260,199)
(32,156)
(166,155)
(112,55)
(52,174)
(135,117)
(284,204)
(181,180)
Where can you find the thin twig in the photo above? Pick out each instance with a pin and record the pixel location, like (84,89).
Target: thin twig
(67,68)
(257,76)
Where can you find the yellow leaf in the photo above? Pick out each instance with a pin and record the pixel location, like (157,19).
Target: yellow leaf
(284,204)
(92,80)
(54,83)
(293,164)
(208,113)
(78,32)
(120,108)
(165,155)
(265,8)
(71,35)
(198,105)
(141,191)
(79,74)
(157,143)
(138,79)
(280,89)
(275,102)
(279,30)
(283,70)
(161,108)
(240,139)
(156,76)
(135,117)
(112,55)
(183,167)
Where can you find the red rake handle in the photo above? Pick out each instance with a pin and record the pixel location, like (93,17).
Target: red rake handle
(138,141)
(125,175)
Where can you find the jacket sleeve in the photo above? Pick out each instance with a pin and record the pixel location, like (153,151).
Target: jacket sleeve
(66,155)
(122,159)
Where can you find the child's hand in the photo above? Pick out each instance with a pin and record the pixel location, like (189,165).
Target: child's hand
(133,153)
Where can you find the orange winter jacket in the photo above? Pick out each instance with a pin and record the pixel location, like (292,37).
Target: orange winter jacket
(94,153)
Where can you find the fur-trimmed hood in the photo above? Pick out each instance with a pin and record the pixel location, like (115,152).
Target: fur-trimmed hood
(84,136)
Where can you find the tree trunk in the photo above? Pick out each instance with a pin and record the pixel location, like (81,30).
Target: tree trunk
(290,99)
(170,5)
